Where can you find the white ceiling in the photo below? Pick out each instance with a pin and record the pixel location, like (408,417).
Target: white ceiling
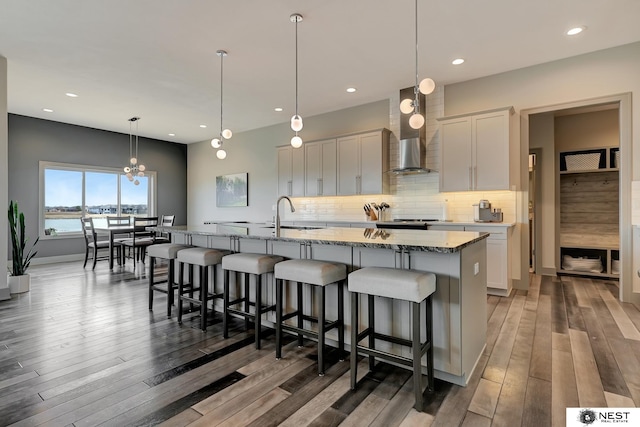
(156,58)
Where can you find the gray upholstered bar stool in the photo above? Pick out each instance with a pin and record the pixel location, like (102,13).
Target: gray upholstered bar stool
(169,252)
(251,265)
(203,258)
(315,273)
(407,285)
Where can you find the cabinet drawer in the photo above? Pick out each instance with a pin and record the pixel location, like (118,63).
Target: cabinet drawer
(495,233)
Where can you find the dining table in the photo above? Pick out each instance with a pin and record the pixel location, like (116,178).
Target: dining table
(114,230)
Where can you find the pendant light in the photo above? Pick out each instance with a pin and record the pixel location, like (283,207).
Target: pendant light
(134,169)
(426,86)
(226,133)
(296,120)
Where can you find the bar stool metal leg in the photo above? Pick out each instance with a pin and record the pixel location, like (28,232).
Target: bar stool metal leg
(151,281)
(341,320)
(321,331)
(372,330)
(258,317)
(353,359)
(299,308)
(226,315)
(279,285)
(429,325)
(416,348)
(180,289)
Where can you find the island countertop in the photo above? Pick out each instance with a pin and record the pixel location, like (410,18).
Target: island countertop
(413,240)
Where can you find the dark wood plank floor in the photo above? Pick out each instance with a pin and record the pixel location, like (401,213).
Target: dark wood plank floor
(82,349)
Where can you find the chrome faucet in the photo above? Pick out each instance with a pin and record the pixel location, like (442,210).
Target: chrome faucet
(278,210)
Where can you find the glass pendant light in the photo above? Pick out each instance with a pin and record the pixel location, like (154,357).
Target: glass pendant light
(426,86)
(224,133)
(296,120)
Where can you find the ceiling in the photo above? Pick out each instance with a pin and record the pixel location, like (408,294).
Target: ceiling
(157,58)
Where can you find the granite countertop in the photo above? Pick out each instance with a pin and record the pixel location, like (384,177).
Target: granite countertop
(473,223)
(417,240)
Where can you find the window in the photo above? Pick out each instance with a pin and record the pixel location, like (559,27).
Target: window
(69,192)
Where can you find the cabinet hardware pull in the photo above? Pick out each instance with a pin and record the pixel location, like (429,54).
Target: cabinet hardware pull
(470,179)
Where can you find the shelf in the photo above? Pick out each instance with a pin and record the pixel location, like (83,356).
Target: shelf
(589,160)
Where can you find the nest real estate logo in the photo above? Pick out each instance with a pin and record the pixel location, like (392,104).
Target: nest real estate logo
(581,417)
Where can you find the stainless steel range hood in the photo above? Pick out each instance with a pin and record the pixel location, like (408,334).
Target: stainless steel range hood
(412,159)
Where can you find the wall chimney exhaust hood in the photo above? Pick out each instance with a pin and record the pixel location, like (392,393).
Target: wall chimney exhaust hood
(412,158)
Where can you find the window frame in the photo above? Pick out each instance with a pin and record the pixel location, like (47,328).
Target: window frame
(44,165)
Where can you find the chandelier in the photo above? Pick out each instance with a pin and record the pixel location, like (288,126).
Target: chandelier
(135,169)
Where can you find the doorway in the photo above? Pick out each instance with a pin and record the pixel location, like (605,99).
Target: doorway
(545,248)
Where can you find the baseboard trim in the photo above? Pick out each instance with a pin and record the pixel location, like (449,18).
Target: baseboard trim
(57,259)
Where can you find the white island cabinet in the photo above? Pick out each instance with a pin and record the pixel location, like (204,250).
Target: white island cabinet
(499,280)
(458,258)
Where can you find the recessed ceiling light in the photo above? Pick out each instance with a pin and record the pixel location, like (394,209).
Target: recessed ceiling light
(47,110)
(172,134)
(575,30)
(457,61)
(203,126)
(278,109)
(71,95)
(351,89)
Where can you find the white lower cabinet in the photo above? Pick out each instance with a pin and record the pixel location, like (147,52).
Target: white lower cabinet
(498,255)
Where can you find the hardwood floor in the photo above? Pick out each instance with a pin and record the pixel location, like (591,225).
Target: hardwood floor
(82,349)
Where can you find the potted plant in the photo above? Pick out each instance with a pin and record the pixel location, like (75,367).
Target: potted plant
(19,280)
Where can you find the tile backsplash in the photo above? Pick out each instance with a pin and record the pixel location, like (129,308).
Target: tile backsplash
(412,196)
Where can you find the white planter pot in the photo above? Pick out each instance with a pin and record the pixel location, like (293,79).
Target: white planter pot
(19,284)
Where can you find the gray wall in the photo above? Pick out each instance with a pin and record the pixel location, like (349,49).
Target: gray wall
(254,152)
(4,232)
(32,140)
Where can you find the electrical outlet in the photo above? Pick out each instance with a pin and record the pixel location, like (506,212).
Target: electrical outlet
(476,268)
(273,207)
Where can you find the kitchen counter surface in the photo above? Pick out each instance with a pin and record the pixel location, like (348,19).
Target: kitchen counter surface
(414,240)
(473,223)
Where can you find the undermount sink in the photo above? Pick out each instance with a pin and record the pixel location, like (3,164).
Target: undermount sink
(295,227)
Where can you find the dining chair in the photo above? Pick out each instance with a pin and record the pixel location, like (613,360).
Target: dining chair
(165,221)
(92,242)
(141,238)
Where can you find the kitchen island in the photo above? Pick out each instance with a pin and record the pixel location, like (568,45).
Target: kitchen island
(458,258)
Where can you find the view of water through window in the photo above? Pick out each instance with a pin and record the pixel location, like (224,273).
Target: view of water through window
(65,203)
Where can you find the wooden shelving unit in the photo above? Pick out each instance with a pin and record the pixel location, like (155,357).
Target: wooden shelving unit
(589,211)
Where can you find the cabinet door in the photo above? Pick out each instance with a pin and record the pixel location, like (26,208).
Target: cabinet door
(290,171)
(312,169)
(329,168)
(455,159)
(497,264)
(348,166)
(284,171)
(320,168)
(491,151)
(297,172)
(371,163)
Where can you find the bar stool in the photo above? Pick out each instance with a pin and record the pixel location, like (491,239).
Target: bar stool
(203,258)
(315,273)
(249,264)
(169,252)
(407,285)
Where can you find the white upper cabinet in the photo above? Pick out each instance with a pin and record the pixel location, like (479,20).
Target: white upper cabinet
(363,160)
(290,171)
(320,168)
(477,151)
